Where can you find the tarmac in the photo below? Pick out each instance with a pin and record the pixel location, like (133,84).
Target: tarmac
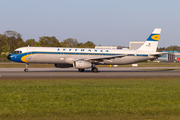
(103,72)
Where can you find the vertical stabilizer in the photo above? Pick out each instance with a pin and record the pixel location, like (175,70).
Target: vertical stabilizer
(152,42)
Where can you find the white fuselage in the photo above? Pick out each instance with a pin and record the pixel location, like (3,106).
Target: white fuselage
(58,55)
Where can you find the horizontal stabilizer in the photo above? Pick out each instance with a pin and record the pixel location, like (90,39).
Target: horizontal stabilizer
(158,54)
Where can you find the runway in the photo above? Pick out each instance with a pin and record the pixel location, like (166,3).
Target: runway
(103,72)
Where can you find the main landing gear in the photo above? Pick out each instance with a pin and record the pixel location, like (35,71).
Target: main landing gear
(26,69)
(94,69)
(81,70)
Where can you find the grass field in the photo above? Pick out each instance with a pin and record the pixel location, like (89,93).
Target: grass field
(90,98)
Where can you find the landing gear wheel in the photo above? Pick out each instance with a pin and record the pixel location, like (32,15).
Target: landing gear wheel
(26,70)
(81,70)
(94,69)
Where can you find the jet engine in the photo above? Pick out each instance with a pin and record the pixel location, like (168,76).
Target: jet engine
(63,65)
(82,64)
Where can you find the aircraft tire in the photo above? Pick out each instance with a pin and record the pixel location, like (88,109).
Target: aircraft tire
(25,70)
(81,70)
(94,69)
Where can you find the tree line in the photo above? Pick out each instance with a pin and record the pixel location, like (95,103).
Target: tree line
(11,40)
(170,48)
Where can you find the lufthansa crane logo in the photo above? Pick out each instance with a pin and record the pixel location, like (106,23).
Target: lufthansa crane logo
(155,37)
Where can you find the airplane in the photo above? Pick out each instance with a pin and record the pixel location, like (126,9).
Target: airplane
(85,58)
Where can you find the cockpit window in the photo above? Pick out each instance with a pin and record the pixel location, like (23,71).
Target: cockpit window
(17,52)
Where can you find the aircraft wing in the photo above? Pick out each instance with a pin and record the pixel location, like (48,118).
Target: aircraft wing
(105,57)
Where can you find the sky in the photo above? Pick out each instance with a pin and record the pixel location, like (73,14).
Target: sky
(105,22)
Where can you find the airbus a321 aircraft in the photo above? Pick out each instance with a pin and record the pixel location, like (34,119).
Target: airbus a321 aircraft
(84,58)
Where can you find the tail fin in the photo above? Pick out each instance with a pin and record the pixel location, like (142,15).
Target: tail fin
(152,42)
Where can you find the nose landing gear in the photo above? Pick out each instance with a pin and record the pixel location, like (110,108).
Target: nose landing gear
(26,69)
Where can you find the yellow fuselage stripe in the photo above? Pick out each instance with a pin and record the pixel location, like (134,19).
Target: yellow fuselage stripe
(24,58)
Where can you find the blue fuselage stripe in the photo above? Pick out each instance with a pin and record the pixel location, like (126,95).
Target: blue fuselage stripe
(74,53)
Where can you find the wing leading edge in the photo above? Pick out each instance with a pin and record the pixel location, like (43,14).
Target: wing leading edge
(105,57)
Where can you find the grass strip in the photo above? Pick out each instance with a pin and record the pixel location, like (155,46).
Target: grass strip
(87,98)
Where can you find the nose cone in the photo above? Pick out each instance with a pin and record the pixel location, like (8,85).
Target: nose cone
(9,57)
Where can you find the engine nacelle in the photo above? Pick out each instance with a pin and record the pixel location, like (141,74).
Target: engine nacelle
(82,64)
(63,65)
